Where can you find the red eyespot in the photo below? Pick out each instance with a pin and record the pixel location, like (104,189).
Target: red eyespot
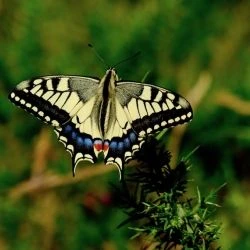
(98,145)
(105,146)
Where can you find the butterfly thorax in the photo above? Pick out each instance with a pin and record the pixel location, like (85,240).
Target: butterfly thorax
(106,93)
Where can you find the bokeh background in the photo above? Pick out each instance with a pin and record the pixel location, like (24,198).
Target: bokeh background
(197,48)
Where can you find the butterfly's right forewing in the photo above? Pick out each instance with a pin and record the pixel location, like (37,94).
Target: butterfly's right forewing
(150,108)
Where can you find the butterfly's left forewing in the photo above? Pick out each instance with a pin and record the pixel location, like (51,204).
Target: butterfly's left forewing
(54,99)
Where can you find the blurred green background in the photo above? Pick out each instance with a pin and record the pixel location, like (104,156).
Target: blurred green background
(197,48)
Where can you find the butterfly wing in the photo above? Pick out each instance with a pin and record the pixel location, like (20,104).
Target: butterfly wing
(150,109)
(66,103)
(141,110)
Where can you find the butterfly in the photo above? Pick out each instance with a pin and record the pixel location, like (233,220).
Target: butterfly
(91,115)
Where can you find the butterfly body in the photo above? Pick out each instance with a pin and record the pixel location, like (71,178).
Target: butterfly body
(91,116)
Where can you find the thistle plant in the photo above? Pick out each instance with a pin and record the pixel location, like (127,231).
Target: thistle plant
(154,195)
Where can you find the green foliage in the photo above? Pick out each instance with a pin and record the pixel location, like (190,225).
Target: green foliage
(167,216)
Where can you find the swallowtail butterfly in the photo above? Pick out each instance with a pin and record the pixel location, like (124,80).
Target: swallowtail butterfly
(91,115)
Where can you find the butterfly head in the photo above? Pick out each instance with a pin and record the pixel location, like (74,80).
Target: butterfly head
(111,75)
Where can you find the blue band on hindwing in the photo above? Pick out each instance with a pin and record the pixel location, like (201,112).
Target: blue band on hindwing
(88,143)
(113,144)
(119,145)
(127,143)
(81,142)
(132,137)
(80,139)
(68,128)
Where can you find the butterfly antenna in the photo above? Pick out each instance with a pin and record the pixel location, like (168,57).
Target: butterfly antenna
(98,55)
(127,59)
